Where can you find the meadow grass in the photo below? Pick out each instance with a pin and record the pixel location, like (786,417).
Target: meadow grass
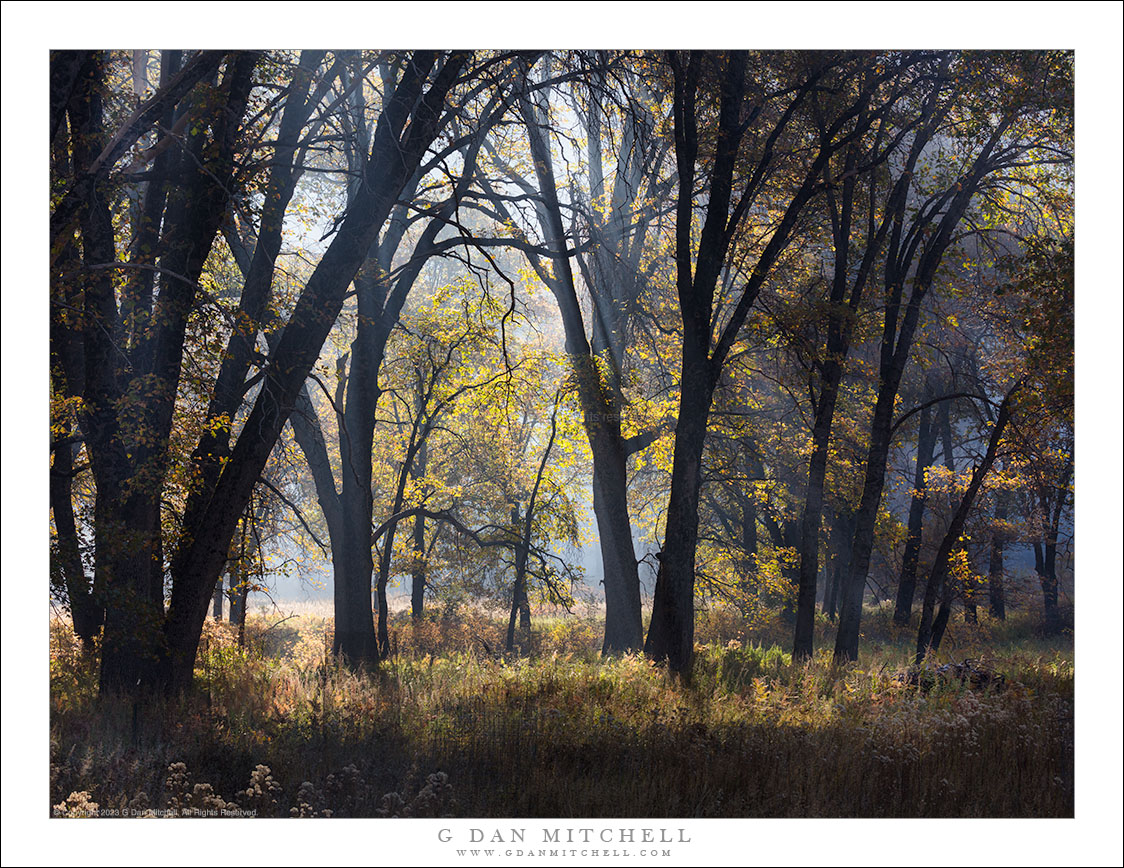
(450,727)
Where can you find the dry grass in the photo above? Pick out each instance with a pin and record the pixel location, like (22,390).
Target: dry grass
(560,732)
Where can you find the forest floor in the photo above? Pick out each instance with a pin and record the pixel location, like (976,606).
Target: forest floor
(450,727)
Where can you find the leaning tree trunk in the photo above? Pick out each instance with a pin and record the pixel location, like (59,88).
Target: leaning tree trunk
(395,153)
(899,327)
(930,632)
(840,325)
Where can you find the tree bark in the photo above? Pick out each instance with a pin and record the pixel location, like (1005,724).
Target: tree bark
(85,613)
(236,588)
(359,634)
(847,637)
(842,532)
(749,540)
(813,511)
(671,634)
(94,170)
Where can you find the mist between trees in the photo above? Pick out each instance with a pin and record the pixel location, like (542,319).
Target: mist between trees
(801,321)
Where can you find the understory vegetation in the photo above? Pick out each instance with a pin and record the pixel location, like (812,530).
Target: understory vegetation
(448,726)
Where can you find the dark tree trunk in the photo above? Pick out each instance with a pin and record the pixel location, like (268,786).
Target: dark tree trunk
(698,266)
(418,572)
(382,605)
(813,511)
(136,306)
(129,451)
(1050,590)
(930,632)
(851,594)
(971,615)
(359,634)
(216,601)
(128,569)
(520,605)
(623,627)
(67,381)
(940,622)
(258,272)
(917,245)
(94,171)
(85,613)
(355,637)
(907,584)
(671,634)
(831,593)
(525,530)
(842,532)
(237,594)
(65,68)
